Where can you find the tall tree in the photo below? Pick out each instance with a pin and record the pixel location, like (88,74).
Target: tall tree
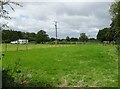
(115,25)
(106,34)
(41,37)
(83,37)
(112,33)
(67,38)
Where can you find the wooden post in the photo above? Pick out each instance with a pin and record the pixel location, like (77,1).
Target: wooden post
(17,45)
(5,47)
(26,46)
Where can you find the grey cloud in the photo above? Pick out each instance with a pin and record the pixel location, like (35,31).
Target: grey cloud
(73,18)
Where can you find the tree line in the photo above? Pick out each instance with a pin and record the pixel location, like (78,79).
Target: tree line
(113,32)
(39,37)
(11,35)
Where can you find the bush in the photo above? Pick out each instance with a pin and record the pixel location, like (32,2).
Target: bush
(13,77)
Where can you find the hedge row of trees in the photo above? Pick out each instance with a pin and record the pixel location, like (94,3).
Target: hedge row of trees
(10,35)
(113,32)
(39,37)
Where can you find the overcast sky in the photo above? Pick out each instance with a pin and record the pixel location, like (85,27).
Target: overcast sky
(73,17)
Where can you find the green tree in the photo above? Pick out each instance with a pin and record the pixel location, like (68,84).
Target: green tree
(9,35)
(73,39)
(112,33)
(115,25)
(52,39)
(32,36)
(83,37)
(67,38)
(4,14)
(41,37)
(106,34)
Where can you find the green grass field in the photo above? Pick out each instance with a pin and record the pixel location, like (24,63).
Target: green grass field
(66,65)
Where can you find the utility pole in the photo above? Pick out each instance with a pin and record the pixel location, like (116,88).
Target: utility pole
(56,31)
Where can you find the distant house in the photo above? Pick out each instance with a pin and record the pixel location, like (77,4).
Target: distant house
(20,41)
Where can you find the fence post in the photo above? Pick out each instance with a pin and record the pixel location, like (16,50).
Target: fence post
(5,47)
(26,46)
(17,46)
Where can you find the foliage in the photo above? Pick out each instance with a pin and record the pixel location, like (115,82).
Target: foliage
(115,11)
(11,35)
(7,80)
(41,36)
(106,34)
(52,39)
(83,37)
(73,39)
(10,75)
(5,13)
(67,38)
(112,33)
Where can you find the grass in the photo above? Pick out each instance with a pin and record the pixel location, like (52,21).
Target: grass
(13,47)
(67,65)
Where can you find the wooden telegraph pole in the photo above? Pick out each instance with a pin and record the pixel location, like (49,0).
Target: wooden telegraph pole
(56,32)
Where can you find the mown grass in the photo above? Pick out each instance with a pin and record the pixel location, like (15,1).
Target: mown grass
(72,65)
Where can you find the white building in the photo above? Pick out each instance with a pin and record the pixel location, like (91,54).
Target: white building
(20,41)
(14,42)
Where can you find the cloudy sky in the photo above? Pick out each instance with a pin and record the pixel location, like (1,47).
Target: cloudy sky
(73,17)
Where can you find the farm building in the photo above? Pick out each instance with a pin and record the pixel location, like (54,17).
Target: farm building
(20,41)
